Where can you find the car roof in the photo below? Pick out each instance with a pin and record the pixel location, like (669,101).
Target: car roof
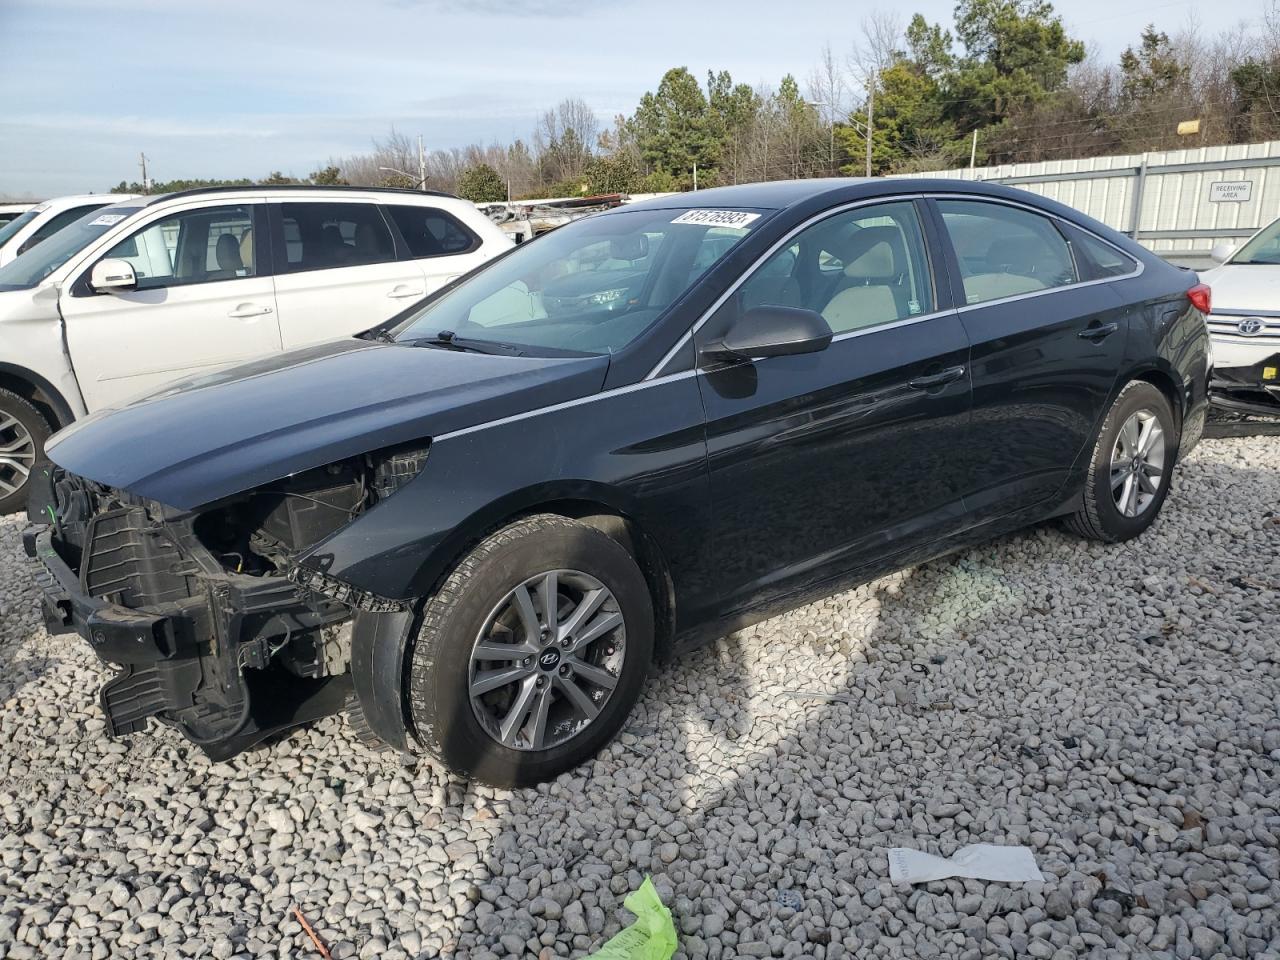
(255,189)
(780,194)
(71,200)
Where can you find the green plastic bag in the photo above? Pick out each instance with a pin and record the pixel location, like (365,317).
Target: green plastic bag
(651,937)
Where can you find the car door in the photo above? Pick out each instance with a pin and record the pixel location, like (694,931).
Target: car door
(1047,348)
(337,269)
(443,247)
(203,300)
(827,464)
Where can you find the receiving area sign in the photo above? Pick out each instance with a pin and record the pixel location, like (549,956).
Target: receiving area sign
(1234,191)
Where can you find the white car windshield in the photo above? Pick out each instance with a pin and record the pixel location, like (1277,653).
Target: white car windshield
(590,287)
(1262,249)
(16,224)
(30,268)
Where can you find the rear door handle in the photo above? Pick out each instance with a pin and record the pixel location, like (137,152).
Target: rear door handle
(401,291)
(248,310)
(1098,333)
(940,379)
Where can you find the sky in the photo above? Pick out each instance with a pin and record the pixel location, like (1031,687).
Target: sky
(239,89)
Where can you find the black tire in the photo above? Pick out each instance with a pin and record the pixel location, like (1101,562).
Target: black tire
(438,675)
(1101,518)
(34,426)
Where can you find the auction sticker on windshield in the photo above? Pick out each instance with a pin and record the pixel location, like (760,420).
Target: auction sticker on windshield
(717,218)
(107,220)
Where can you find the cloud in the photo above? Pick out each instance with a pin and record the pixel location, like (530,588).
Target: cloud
(136,125)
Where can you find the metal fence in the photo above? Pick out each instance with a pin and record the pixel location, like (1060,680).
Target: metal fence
(1178,203)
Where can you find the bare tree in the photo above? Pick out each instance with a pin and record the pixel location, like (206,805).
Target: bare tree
(829,91)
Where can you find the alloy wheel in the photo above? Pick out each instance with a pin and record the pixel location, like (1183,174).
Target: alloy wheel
(547,660)
(1137,463)
(17,454)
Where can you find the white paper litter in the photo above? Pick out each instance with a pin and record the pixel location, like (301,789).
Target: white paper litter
(978,861)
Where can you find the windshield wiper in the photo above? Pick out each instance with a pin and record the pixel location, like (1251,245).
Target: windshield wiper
(448,340)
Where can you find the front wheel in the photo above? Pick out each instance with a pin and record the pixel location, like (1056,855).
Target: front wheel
(531,654)
(23,431)
(1131,467)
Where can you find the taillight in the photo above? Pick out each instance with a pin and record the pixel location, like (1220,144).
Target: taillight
(1200,297)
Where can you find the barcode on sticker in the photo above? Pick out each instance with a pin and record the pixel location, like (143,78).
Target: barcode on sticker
(106,220)
(717,218)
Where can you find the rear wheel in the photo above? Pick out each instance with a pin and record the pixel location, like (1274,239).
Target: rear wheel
(1131,467)
(532,653)
(23,431)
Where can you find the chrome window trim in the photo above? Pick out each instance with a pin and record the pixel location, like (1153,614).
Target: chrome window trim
(759,261)
(891,325)
(1031,208)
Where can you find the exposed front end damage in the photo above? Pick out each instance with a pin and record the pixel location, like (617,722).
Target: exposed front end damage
(210,622)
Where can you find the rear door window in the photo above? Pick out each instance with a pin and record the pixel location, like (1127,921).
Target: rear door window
(328,235)
(1095,259)
(1006,251)
(429,232)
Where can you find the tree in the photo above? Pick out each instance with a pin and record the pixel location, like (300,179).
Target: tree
(330,176)
(673,129)
(481,184)
(1153,69)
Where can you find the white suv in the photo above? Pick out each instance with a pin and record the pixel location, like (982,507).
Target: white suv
(152,289)
(1244,328)
(42,220)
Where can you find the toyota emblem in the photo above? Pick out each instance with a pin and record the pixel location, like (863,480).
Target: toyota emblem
(1250,326)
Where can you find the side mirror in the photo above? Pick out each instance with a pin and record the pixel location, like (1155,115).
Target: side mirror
(109,275)
(1222,252)
(771,331)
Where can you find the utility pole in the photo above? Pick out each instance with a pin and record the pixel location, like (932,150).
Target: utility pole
(146,186)
(973,152)
(871,103)
(695,175)
(422,166)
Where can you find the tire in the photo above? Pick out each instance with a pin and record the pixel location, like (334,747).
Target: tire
(23,431)
(488,737)
(1102,517)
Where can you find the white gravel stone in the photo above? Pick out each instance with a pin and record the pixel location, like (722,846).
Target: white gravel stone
(1114,707)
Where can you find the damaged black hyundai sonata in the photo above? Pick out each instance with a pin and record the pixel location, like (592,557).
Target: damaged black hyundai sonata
(476,527)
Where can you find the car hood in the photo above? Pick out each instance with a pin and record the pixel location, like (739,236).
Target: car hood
(204,439)
(1245,288)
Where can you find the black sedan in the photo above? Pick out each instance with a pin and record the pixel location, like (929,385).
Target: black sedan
(476,527)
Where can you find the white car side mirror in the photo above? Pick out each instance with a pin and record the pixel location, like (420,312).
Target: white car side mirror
(110,275)
(1222,252)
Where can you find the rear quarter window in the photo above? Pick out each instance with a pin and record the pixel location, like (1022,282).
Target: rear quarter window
(430,232)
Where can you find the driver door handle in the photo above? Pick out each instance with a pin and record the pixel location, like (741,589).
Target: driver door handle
(248,310)
(1098,332)
(940,379)
(401,291)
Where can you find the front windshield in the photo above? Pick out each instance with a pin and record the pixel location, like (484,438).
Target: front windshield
(41,260)
(591,287)
(1262,249)
(16,224)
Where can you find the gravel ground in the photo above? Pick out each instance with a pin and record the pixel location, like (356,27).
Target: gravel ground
(1113,707)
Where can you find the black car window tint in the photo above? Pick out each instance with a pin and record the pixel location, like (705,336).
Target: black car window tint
(324,235)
